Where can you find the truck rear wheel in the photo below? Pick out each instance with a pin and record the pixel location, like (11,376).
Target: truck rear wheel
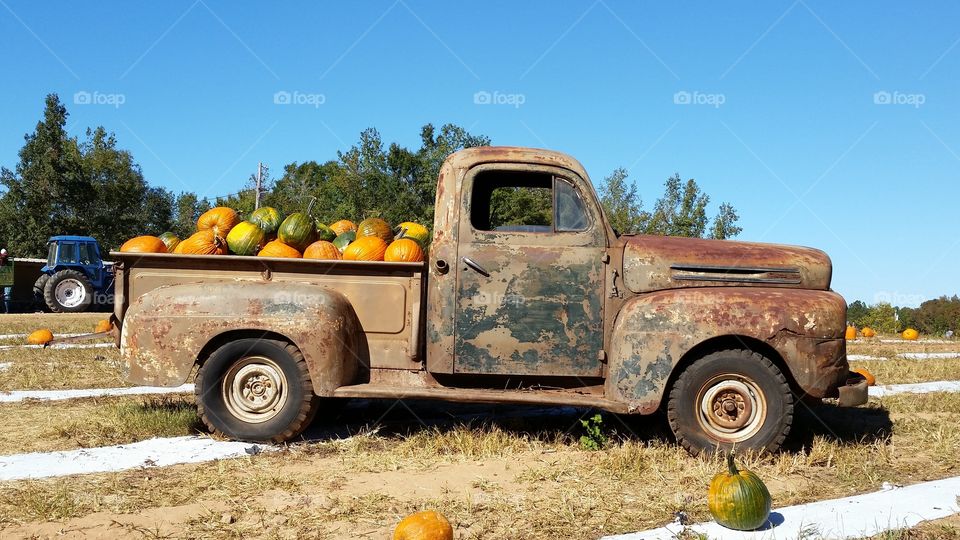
(256,390)
(68,291)
(731,399)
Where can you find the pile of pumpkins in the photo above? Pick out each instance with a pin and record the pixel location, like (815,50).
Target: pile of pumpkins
(220,231)
(909,334)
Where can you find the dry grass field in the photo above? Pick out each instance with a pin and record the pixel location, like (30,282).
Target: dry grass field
(496,471)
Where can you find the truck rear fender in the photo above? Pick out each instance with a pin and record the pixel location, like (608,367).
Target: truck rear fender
(657,334)
(169,329)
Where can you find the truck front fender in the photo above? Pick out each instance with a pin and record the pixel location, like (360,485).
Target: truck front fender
(654,332)
(165,331)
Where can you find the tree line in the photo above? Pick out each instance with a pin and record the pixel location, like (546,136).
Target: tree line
(933,317)
(91,186)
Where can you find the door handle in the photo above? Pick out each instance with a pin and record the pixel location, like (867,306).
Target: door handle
(472,264)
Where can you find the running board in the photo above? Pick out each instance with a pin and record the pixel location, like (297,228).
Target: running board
(572,398)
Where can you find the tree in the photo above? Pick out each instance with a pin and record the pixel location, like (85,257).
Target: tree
(857,312)
(680,211)
(622,204)
(187,209)
(46,194)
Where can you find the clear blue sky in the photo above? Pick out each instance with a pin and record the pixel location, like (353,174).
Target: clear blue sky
(783,120)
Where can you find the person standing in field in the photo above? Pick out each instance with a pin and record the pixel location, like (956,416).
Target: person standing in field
(6,279)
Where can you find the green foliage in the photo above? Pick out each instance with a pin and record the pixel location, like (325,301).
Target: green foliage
(857,312)
(595,437)
(933,317)
(680,211)
(882,318)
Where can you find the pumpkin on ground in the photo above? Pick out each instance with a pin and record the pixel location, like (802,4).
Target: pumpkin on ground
(368,248)
(276,248)
(267,218)
(103,325)
(344,240)
(245,239)
(321,249)
(203,242)
(325,233)
(297,231)
(851,332)
(144,244)
(342,226)
(418,232)
(910,334)
(375,227)
(404,250)
(871,380)
(40,337)
(170,240)
(426,525)
(867,332)
(738,499)
(219,219)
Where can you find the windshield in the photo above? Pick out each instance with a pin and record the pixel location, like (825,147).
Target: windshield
(52,254)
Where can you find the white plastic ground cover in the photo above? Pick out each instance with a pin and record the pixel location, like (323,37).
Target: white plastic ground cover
(928,355)
(58,395)
(149,453)
(5,365)
(61,346)
(14,336)
(915,388)
(864,357)
(918,341)
(859,516)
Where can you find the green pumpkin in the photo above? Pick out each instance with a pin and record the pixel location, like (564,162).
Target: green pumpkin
(344,240)
(297,231)
(267,218)
(325,233)
(170,240)
(738,500)
(375,227)
(245,238)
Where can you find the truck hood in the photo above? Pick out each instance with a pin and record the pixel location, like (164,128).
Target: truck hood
(652,263)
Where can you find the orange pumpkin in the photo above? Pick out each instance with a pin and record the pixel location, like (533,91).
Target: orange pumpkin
(220,220)
(867,332)
(103,325)
(40,337)
(404,250)
(910,334)
(276,248)
(203,242)
(851,332)
(343,226)
(321,249)
(144,244)
(426,525)
(368,248)
(871,380)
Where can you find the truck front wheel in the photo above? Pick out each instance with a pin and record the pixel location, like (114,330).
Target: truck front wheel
(256,390)
(731,399)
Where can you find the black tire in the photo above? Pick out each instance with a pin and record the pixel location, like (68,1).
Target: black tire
(749,398)
(76,292)
(278,363)
(38,292)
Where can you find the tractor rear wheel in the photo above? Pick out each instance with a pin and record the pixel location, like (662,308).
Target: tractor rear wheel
(38,288)
(68,291)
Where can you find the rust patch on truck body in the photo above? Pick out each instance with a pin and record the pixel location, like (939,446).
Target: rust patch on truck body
(654,332)
(166,329)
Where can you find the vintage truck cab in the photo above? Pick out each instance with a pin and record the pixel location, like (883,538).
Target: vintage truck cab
(725,337)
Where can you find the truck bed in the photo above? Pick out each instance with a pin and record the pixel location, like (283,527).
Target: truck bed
(386,296)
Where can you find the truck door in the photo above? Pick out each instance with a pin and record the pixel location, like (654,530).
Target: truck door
(530,274)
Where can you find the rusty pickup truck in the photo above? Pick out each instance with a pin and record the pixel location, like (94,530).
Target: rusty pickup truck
(726,338)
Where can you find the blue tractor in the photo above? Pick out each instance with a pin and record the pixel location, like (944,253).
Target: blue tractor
(75,277)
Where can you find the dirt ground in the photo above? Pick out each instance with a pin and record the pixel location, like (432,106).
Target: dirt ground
(495,471)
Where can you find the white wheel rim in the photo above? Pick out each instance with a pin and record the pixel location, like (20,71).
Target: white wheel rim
(731,408)
(254,389)
(70,293)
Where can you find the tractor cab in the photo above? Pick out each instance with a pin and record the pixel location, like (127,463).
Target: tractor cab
(75,276)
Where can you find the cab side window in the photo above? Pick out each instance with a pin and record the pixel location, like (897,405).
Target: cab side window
(526,201)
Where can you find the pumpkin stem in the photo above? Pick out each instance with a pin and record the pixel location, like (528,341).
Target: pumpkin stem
(310,206)
(731,466)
